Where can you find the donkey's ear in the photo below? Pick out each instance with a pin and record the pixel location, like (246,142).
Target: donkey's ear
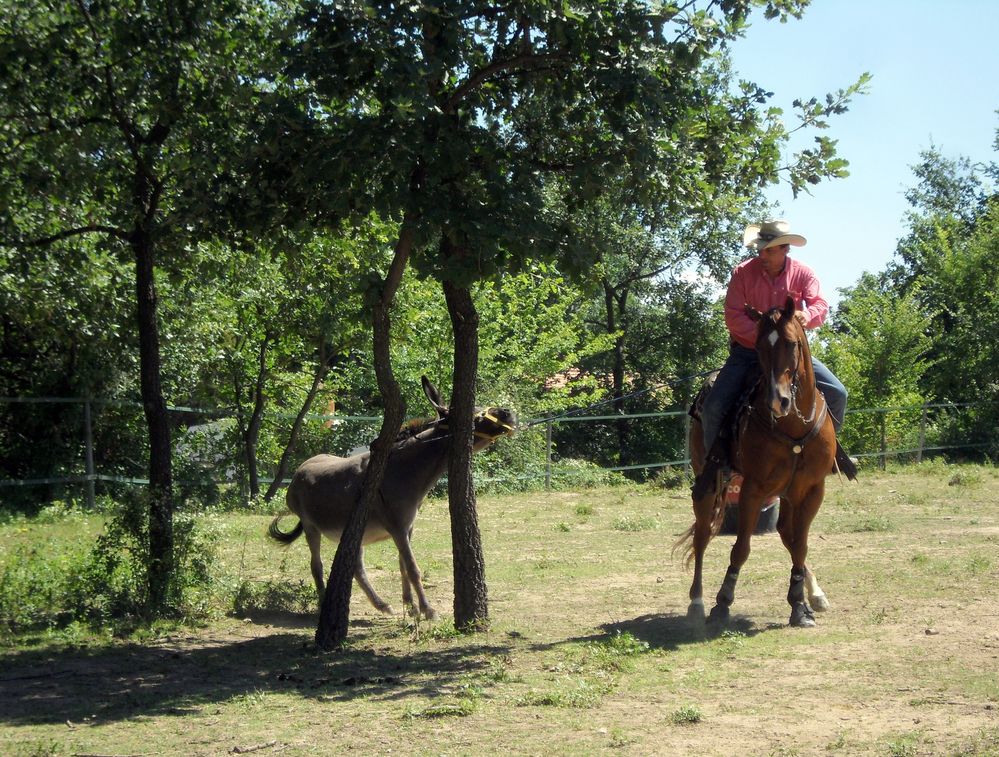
(752,312)
(434,396)
(789,308)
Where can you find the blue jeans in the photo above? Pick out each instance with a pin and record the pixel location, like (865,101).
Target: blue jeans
(741,362)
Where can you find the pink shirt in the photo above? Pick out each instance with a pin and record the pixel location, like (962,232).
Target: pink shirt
(751,285)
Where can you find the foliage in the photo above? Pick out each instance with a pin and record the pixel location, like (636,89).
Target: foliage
(880,353)
(102,583)
(946,269)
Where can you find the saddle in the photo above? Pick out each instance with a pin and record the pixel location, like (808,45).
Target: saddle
(719,459)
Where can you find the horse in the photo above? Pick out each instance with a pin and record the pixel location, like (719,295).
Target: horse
(324,490)
(785,446)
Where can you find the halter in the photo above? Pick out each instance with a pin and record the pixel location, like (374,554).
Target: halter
(487,414)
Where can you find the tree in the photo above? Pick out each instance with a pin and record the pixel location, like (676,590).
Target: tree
(115,118)
(879,350)
(458,118)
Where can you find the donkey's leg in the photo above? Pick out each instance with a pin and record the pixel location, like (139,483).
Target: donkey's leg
(407,587)
(314,538)
(410,570)
(369,591)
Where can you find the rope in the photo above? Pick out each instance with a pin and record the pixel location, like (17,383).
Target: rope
(638,393)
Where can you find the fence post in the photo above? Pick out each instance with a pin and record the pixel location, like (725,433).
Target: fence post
(922,435)
(884,441)
(686,443)
(88,439)
(548,456)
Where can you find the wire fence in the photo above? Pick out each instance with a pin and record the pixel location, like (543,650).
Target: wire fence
(910,432)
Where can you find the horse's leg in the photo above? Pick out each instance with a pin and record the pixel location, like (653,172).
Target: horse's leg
(703,514)
(314,538)
(369,591)
(407,563)
(785,527)
(750,504)
(816,597)
(795,538)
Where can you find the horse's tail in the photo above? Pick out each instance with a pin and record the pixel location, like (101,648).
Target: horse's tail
(686,540)
(278,535)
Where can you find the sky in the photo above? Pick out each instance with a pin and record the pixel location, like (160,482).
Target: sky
(935,68)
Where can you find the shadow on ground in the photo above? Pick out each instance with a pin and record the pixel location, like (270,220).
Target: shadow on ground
(111,684)
(671,632)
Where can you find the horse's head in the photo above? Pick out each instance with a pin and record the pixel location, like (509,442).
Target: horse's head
(490,423)
(782,348)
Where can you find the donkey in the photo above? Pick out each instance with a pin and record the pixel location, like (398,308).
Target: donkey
(325,488)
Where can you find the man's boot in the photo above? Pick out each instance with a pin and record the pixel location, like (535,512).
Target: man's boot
(844,463)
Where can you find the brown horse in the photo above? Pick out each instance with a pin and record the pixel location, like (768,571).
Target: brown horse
(785,446)
(324,490)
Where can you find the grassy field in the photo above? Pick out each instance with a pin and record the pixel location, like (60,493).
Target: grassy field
(589,650)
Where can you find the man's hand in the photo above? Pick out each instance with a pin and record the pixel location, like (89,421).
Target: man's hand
(802,317)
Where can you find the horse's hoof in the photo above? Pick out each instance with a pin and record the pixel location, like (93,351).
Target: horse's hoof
(820,603)
(719,614)
(695,611)
(802,616)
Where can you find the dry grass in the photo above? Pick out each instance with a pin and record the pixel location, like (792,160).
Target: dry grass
(589,650)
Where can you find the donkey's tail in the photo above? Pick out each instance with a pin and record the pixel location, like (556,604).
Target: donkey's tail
(278,535)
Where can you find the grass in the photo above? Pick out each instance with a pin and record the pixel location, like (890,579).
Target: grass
(589,649)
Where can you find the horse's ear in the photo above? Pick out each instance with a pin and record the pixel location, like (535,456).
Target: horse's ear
(789,309)
(752,312)
(434,396)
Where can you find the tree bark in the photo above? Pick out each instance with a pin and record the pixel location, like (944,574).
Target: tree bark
(161,558)
(334,614)
(471,603)
(317,381)
(615,301)
(252,434)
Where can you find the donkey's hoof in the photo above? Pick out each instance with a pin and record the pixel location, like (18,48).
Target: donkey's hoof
(385,607)
(429,613)
(819,603)
(719,614)
(802,616)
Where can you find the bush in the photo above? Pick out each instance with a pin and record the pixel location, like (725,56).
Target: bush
(103,583)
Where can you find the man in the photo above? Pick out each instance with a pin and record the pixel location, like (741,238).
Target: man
(764,282)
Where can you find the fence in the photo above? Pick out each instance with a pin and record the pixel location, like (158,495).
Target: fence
(89,476)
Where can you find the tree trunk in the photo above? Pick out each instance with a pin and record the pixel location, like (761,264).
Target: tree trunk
(252,434)
(616,302)
(334,614)
(471,605)
(161,559)
(317,381)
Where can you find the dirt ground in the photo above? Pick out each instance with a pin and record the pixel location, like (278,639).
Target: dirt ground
(589,650)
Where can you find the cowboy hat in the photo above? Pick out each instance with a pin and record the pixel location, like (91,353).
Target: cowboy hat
(759,236)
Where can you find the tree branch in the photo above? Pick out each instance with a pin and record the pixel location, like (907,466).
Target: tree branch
(483,74)
(95,228)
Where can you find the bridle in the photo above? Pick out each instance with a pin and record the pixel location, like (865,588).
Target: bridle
(816,418)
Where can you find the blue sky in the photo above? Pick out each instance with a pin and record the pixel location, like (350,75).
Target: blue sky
(936,82)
